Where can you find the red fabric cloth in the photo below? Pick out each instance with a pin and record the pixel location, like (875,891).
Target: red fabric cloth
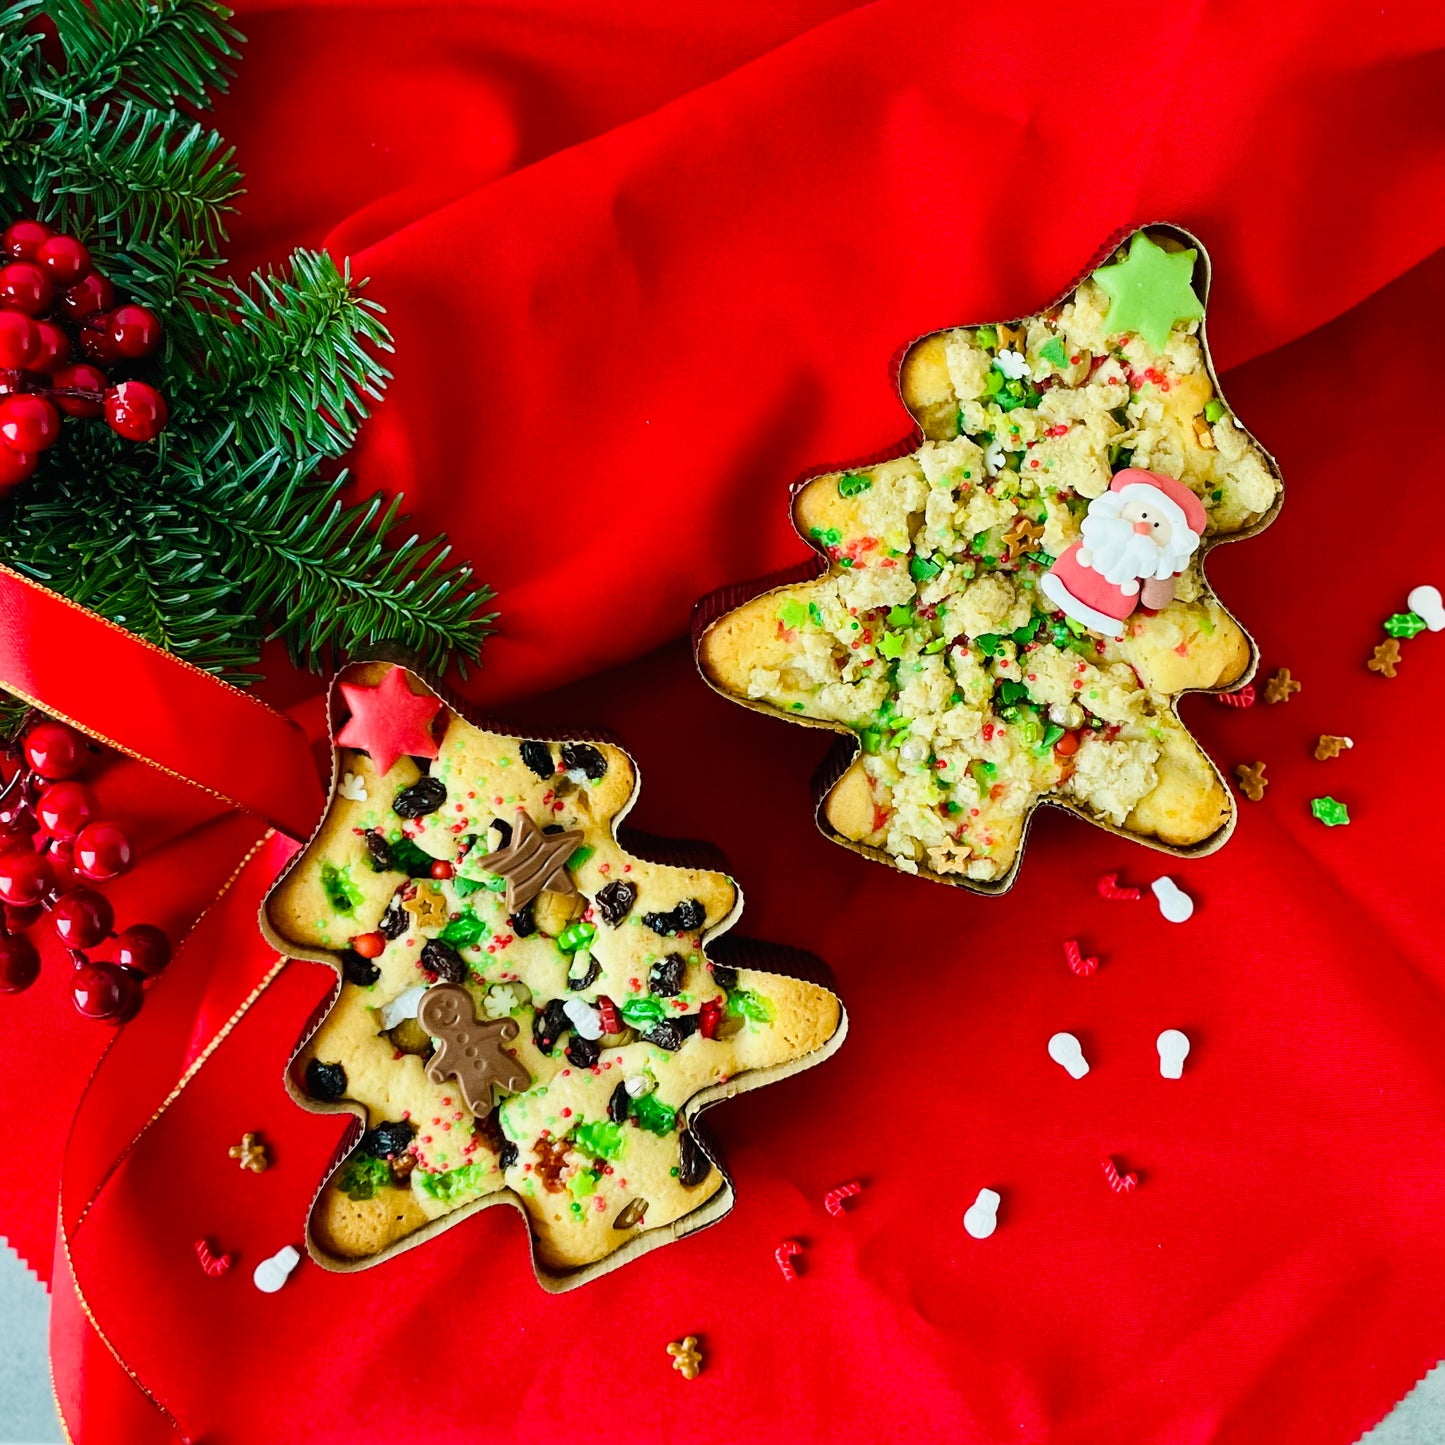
(639,280)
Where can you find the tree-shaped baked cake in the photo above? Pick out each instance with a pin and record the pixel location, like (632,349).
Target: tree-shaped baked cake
(527,1012)
(1009,612)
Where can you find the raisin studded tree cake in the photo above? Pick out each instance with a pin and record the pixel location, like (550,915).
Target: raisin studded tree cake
(1009,612)
(526,1012)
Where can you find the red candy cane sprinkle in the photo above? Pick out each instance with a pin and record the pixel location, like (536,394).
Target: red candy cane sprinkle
(1110,888)
(784,1255)
(214,1264)
(1119,1183)
(1077,962)
(833,1199)
(1243,698)
(607,1015)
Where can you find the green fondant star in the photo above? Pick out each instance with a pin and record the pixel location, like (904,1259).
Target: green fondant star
(1149,291)
(1329,811)
(1404,624)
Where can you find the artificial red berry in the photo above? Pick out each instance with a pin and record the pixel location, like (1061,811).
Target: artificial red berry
(26,287)
(102,851)
(15,816)
(54,349)
(134,330)
(64,258)
(19,964)
(54,750)
(80,377)
(142,948)
(82,917)
(105,992)
(95,339)
(28,423)
(25,877)
(368,945)
(24,238)
(63,809)
(17,920)
(442,869)
(134,409)
(91,294)
(19,340)
(61,851)
(15,467)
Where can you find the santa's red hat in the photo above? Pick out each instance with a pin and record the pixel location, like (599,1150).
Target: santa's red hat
(1179,504)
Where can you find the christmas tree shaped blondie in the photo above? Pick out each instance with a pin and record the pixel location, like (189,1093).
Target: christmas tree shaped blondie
(527,1012)
(1009,612)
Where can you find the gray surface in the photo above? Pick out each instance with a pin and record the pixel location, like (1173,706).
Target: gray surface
(27,1411)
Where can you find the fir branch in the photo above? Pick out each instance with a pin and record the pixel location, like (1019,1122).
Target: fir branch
(291,359)
(157,52)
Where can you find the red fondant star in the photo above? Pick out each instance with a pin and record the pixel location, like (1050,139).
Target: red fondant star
(389,720)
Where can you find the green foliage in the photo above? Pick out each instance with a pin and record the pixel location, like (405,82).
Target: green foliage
(231,528)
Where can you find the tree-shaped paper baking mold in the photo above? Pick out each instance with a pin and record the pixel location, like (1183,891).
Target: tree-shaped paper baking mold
(527,1012)
(1008,613)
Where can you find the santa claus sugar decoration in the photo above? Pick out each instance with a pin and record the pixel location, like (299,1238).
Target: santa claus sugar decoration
(1137,538)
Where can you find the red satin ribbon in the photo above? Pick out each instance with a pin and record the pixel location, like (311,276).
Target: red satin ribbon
(174,716)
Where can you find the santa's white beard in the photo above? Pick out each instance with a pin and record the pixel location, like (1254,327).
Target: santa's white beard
(1120,553)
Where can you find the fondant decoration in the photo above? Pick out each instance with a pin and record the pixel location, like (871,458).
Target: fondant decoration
(1174,903)
(1173,1046)
(1119,1183)
(1078,963)
(1330,746)
(470,1052)
(833,1199)
(1137,538)
(785,1254)
(1281,687)
(534,862)
(1385,658)
(1330,811)
(1252,781)
(1066,1051)
(249,1154)
(1426,603)
(1149,291)
(389,720)
(981,1217)
(686,1357)
(272,1273)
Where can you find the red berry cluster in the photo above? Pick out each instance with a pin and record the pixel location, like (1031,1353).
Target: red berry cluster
(54,304)
(51,846)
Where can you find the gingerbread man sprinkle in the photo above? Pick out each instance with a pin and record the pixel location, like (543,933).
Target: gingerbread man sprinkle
(1385,658)
(468,1051)
(1281,687)
(1252,781)
(1330,746)
(686,1357)
(250,1155)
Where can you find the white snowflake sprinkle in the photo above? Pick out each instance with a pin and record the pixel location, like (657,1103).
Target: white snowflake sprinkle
(353,787)
(1012,364)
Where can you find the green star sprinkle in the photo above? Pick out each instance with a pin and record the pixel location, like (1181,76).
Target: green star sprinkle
(890,645)
(1149,291)
(1404,624)
(1330,812)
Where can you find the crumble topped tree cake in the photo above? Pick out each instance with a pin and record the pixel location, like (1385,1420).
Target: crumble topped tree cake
(1009,612)
(527,1012)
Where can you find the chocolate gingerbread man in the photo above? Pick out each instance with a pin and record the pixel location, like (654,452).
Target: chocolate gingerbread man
(469,1051)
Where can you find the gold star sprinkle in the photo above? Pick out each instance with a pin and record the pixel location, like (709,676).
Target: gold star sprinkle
(1330,746)
(1281,687)
(250,1155)
(1022,537)
(428,906)
(1252,781)
(949,857)
(686,1357)
(1386,655)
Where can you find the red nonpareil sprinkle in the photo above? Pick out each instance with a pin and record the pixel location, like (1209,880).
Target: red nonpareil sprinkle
(1243,698)
(211,1262)
(833,1199)
(1056,431)
(785,1254)
(1077,962)
(1112,889)
(1119,1183)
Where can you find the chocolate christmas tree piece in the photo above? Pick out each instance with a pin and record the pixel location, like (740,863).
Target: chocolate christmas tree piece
(527,1012)
(1008,614)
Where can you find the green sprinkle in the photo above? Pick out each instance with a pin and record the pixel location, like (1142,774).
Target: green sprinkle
(1011,692)
(579,856)
(1404,624)
(466,930)
(901,616)
(642,1011)
(1053,350)
(360,1178)
(923,568)
(576,935)
(890,645)
(600,1138)
(871,739)
(1217,495)
(465,887)
(1213,410)
(792,613)
(451,1184)
(410,859)
(815,615)
(796,706)
(937,645)
(986,336)
(850,484)
(342,894)
(744,1003)
(653,1115)
(1329,811)
(990,642)
(828,536)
